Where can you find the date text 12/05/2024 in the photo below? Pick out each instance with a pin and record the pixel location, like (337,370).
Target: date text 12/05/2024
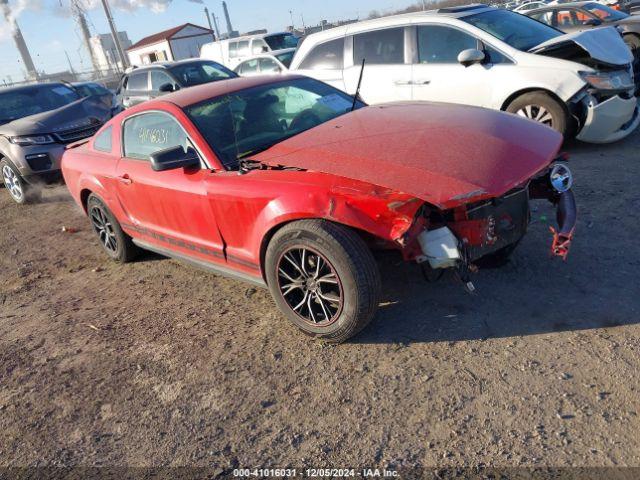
(315,472)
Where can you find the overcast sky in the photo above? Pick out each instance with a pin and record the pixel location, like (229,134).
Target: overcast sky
(49,31)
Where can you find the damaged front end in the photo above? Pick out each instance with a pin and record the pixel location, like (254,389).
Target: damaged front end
(459,237)
(606,109)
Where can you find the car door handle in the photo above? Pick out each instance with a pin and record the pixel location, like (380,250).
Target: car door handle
(125,179)
(422,82)
(403,82)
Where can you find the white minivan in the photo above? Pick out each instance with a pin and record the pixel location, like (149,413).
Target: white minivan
(234,50)
(580,84)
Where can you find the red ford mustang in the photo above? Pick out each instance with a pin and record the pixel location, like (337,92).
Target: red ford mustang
(289,183)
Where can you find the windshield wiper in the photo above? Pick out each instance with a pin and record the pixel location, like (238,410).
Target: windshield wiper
(264,147)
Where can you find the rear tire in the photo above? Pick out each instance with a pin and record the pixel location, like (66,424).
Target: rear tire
(542,108)
(324,278)
(21,192)
(117,244)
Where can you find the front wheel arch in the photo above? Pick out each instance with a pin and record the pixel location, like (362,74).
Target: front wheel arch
(264,244)
(570,122)
(524,91)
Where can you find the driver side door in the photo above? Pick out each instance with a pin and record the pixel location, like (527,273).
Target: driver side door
(439,77)
(169,209)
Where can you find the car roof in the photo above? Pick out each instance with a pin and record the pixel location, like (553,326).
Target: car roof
(272,54)
(559,6)
(450,12)
(568,4)
(249,37)
(17,88)
(165,65)
(192,95)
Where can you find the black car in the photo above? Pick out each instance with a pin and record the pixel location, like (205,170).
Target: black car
(145,83)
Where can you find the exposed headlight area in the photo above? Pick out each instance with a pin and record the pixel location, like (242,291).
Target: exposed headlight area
(561,177)
(615,81)
(27,140)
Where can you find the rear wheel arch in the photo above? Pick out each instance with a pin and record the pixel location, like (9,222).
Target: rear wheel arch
(85,193)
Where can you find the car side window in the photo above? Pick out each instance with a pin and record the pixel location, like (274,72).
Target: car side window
(544,17)
(158,79)
(233,49)
(380,47)
(570,18)
(326,56)
(268,65)
(137,81)
(439,44)
(103,142)
(151,132)
(250,66)
(259,46)
(243,48)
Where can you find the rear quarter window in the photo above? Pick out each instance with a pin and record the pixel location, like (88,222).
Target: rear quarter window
(103,141)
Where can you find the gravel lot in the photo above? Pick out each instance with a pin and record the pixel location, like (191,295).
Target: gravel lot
(156,364)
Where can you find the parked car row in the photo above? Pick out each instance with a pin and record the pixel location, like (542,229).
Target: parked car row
(579,84)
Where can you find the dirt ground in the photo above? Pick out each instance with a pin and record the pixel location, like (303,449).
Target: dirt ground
(156,364)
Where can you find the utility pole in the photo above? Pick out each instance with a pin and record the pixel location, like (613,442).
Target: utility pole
(292,25)
(215,25)
(424,6)
(73,72)
(206,12)
(114,33)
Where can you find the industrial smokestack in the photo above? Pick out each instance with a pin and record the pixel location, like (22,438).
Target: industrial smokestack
(226,15)
(19,40)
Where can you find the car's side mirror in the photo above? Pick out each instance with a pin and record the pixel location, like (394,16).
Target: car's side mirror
(265,49)
(470,56)
(167,88)
(592,22)
(173,158)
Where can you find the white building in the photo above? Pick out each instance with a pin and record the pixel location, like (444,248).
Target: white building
(177,43)
(105,51)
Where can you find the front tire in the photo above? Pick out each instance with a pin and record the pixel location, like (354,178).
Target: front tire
(323,278)
(115,243)
(542,108)
(20,191)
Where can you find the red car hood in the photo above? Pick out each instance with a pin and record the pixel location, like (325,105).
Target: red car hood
(446,155)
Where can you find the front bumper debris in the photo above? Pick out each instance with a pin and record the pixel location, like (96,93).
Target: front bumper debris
(567,214)
(479,230)
(609,121)
(566,210)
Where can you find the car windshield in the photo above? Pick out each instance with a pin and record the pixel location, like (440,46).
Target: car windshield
(197,73)
(518,31)
(89,89)
(605,13)
(281,41)
(20,103)
(285,58)
(252,120)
